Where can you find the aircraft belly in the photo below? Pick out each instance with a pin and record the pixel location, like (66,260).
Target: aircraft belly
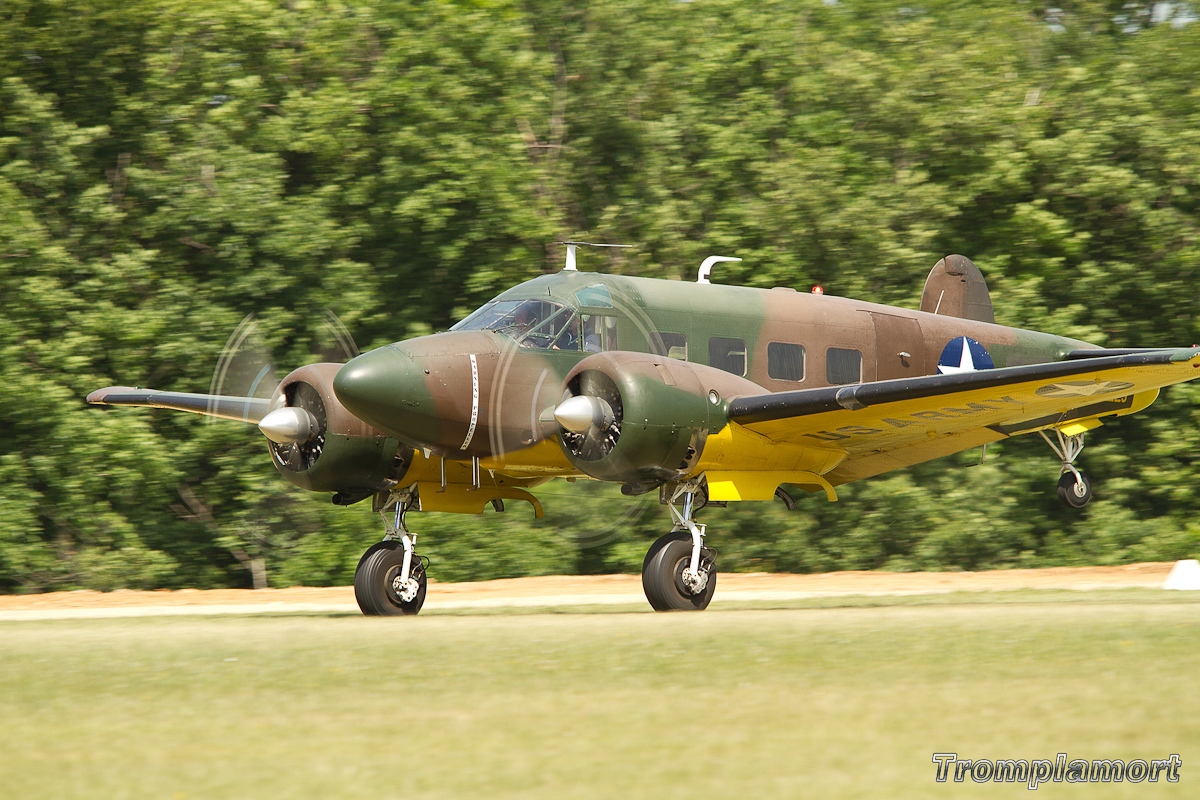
(427,473)
(742,465)
(736,448)
(545,458)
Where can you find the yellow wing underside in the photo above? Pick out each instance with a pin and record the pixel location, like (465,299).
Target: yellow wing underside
(832,447)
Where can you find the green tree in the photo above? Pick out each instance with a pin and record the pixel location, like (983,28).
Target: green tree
(168,168)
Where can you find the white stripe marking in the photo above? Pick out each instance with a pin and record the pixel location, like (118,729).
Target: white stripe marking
(474,402)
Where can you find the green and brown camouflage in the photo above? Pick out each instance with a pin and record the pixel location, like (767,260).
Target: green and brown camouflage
(675,352)
(708,393)
(672,346)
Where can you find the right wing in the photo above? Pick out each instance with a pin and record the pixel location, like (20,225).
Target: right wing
(859,430)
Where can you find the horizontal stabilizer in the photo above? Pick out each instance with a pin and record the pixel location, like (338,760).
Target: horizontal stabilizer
(1102,352)
(242,409)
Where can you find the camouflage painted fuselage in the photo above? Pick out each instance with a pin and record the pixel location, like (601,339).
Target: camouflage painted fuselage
(485,394)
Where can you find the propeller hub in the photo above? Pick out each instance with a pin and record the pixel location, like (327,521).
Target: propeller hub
(289,425)
(582,413)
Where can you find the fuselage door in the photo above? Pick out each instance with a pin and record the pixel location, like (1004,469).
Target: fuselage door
(899,347)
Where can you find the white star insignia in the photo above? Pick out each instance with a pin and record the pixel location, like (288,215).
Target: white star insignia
(965,363)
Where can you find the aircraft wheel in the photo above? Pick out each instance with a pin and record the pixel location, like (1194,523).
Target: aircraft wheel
(1074,493)
(375,582)
(662,575)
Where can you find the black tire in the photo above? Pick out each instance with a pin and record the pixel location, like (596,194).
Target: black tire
(374,577)
(662,575)
(1074,493)
(388,545)
(659,544)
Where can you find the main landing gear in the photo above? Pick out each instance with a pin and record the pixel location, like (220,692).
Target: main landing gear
(390,579)
(1074,488)
(679,573)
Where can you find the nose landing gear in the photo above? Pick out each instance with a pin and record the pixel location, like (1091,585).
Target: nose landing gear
(390,579)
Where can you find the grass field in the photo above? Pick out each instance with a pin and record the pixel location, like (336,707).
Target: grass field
(825,699)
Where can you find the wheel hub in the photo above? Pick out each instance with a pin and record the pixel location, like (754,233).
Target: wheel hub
(405,590)
(689,581)
(694,581)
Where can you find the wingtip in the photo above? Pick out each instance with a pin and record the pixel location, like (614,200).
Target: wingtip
(97,397)
(1189,355)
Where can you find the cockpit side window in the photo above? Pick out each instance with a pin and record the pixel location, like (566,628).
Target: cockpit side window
(487,317)
(545,325)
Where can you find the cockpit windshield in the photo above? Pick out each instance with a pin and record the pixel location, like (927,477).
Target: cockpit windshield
(532,323)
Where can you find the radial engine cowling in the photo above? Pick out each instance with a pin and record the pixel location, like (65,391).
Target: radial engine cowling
(642,419)
(322,447)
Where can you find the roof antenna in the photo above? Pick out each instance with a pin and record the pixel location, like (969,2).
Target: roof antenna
(572,246)
(707,265)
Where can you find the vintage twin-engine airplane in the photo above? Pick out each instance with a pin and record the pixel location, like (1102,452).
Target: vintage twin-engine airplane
(707,393)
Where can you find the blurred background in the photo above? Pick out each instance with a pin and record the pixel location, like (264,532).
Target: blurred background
(169,167)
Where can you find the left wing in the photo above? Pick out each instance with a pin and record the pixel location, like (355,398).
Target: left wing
(241,409)
(884,425)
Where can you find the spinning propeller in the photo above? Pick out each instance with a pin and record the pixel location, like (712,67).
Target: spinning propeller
(296,420)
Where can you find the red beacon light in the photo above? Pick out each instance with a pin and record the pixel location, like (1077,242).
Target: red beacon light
(818,290)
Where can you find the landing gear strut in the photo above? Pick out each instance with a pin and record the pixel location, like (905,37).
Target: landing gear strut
(390,579)
(679,573)
(1074,488)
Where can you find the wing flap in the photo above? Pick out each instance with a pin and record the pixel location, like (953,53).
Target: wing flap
(242,409)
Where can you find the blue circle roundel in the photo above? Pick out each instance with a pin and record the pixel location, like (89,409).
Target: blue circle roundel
(964,354)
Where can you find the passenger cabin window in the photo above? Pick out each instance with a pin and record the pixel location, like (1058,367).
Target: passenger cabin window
(671,345)
(727,354)
(843,366)
(599,332)
(785,362)
(610,334)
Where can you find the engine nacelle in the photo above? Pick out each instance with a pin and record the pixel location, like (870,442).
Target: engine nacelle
(343,454)
(649,415)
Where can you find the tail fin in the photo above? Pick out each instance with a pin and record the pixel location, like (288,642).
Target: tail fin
(956,288)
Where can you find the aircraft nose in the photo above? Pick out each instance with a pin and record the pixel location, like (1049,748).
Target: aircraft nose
(379,386)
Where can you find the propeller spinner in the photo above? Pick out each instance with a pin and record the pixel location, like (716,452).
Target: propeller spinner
(289,425)
(591,416)
(580,413)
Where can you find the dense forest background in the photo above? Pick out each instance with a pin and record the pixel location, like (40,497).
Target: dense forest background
(168,167)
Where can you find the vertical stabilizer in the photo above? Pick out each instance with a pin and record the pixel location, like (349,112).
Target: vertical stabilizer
(956,288)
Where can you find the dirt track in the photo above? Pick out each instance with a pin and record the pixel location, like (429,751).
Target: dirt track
(576,590)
